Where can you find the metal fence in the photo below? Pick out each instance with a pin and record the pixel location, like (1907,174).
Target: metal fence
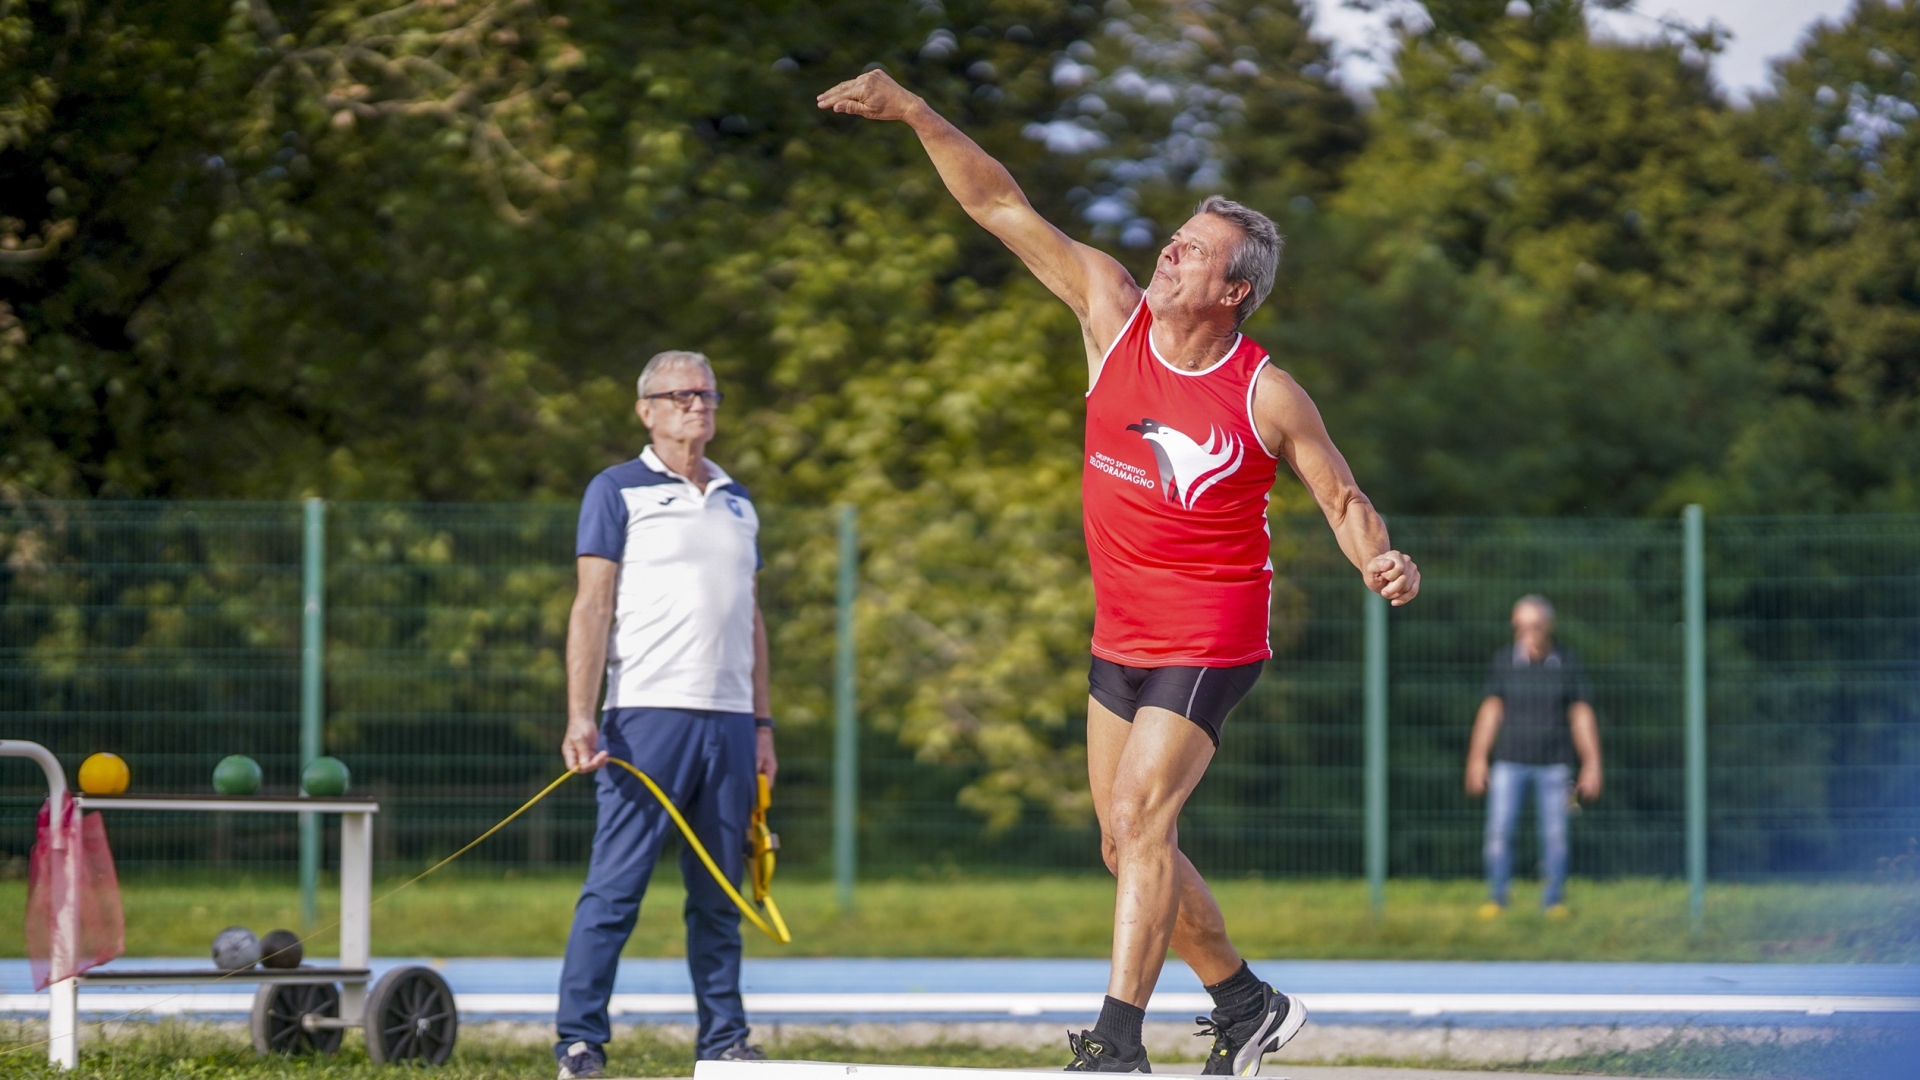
(170,633)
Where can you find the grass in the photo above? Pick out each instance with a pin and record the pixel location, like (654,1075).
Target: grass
(1634,919)
(177,1050)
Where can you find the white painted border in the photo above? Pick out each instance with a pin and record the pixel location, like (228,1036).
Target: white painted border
(1208,370)
(1108,355)
(1254,425)
(1038,1004)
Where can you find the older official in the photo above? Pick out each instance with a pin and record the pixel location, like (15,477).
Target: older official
(667,611)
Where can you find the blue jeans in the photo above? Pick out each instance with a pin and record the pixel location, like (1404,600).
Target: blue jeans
(704,762)
(1506,786)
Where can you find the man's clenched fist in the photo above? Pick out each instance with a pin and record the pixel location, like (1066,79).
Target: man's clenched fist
(1393,576)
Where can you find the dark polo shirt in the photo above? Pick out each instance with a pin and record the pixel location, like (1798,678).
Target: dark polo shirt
(1535,729)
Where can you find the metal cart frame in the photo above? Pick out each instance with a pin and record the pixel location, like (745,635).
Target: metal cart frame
(420,990)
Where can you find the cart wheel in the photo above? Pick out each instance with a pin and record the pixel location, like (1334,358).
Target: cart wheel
(277,1010)
(411,1017)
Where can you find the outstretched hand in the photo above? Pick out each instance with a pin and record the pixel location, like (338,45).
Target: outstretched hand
(1394,577)
(873,95)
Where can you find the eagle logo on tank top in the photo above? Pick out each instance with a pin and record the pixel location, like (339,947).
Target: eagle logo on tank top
(1187,468)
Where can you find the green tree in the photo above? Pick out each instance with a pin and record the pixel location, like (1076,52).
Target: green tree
(107,119)
(417,252)
(424,248)
(1595,173)
(1522,175)
(1828,250)
(1501,305)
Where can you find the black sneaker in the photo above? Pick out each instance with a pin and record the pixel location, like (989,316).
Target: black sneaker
(1092,1054)
(583,1061)
(1237,1048)
(743,1051)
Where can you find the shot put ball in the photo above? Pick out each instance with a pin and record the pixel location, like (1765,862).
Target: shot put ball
(281,949)
(325,776)
(235,949)
(104,774)
(237,774)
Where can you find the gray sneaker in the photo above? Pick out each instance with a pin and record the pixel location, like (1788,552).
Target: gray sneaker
(743,1051)
(583,1061)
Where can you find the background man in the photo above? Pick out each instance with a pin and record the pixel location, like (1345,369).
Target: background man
(1536,716)
(667,608)
(1187,423)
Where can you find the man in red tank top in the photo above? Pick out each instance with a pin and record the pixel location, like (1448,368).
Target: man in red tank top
(1187,423)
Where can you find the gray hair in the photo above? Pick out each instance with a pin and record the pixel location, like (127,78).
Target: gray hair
(1537,602)
(1257,259)
(672,358)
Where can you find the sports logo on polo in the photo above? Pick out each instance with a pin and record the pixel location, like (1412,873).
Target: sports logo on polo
(1188,469)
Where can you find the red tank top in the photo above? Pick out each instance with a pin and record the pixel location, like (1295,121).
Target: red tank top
(1175,495)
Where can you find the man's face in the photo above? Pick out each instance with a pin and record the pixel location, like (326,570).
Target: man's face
(1191,273)
(1532,631)
(664,416)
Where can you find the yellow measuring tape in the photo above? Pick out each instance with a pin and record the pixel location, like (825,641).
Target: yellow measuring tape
(764,845)
(761,859)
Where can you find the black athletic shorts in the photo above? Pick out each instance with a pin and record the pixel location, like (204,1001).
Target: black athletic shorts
(1201,694)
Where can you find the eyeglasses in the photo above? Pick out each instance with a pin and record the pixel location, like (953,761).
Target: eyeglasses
(685,398)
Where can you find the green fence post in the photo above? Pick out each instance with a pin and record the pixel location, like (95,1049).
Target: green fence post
(846,741)
(313,648)
(1376,750)
(1696,679)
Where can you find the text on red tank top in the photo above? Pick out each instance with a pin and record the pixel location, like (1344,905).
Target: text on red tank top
(1174,492)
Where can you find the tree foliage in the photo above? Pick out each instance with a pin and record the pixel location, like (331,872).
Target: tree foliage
(377,250)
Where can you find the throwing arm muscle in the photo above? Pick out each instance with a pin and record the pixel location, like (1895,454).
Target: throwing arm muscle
(1290,425)
(1099,290)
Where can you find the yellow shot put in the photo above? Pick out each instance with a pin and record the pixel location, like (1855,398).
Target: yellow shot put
(104,774)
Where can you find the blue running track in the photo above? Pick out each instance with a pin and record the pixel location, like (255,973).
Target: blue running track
(1473,993)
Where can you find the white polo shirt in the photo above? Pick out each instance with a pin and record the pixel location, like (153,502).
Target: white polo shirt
(682,634)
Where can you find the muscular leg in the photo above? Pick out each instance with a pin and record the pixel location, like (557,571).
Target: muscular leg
(1141,774)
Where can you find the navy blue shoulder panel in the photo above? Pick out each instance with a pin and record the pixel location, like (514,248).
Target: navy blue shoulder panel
(735,487)
(636,473)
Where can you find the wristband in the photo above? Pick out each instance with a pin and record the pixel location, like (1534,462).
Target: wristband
(764,722)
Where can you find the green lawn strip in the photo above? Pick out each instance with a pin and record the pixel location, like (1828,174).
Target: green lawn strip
(473,914)
(175,1050)
(189,1050)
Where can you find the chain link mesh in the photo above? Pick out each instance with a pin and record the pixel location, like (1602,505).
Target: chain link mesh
(169,633)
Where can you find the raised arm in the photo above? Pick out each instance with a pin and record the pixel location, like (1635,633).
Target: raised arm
(1099,290)
(1290,424)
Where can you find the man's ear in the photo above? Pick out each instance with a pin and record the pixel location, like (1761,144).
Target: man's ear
(1237,291)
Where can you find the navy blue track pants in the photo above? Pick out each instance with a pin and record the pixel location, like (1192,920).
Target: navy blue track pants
(704,762)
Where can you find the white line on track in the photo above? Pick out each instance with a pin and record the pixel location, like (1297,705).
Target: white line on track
(1039,1004)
